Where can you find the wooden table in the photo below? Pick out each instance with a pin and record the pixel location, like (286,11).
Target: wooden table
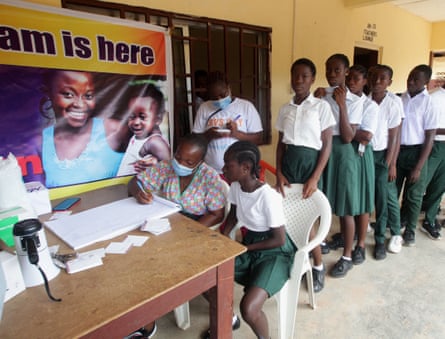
(130,290)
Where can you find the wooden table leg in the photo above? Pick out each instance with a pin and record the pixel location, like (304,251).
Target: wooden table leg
(221,302)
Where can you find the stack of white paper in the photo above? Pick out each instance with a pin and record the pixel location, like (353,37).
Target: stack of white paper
(108,221)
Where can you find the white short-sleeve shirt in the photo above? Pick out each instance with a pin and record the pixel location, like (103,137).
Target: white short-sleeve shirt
(390,115)
(370,115)
(438,98)
(353,104)
(303,124)
(239,110)
(419,117)
(260,210)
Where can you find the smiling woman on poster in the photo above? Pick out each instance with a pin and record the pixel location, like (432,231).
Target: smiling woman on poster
(79,147)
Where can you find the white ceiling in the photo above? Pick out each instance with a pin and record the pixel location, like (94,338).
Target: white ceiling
(431,10)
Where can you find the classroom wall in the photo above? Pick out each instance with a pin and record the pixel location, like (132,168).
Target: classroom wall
(315,29)
(438,36)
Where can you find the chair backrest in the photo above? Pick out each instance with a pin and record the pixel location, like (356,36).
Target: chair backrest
(301,214)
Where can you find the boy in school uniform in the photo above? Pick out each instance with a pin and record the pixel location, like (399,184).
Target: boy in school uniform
(385,146)
(436,167)
(417,137)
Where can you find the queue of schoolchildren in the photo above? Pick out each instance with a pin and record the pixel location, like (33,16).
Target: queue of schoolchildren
(364,151)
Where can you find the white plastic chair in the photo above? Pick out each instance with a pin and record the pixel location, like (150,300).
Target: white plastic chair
(182,313)
(301,214)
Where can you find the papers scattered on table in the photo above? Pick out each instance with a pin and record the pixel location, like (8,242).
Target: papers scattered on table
(156,226)
(85,261)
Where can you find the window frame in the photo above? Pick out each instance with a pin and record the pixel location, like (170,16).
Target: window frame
(184,110)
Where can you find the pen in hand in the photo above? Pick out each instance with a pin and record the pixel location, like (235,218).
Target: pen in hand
(146,196)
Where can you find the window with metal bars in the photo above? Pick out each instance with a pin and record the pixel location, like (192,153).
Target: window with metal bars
(204,44)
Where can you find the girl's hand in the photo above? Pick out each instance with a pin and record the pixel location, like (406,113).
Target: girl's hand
(392,173)
(340,94)
(309,187)
(320,92)
(281,183)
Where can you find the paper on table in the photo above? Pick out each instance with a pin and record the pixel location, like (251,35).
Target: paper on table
(118,247)
(156,226)
(83,262)
(108,221)
(136,240)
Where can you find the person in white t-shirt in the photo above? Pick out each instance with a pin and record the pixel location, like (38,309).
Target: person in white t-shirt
(265,267)
(225,119)
(436,164)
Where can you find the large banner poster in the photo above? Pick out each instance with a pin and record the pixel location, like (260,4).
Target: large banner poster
(83,97)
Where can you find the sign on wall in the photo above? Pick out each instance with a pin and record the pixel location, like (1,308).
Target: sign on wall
(83,97)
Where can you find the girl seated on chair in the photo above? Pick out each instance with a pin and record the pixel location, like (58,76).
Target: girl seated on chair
(266,266)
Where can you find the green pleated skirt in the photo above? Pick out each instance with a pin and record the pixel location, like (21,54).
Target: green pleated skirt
(340,179)
(366,179)
(267,269)
(299,163)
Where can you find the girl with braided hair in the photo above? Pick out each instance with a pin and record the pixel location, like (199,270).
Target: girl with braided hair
(266,266)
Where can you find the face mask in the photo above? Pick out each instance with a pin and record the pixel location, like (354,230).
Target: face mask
(222,103)
(181,170)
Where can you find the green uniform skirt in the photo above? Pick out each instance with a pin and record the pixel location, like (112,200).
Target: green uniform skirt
(340,179)
(299,163)
(267,269)
(366,179)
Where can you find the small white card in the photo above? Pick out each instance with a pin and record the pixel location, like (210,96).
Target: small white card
(83,262)
(136,240)
(118,248)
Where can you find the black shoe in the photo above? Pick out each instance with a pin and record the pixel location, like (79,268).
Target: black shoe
(341,267)
(324,248)
(235,325)
(318,279)
(409,238)
(379,251)
(336,242)
(358,255)
(143,333)
(430,230)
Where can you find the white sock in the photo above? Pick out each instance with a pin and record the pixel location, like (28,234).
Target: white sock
(318,268)
(346,258)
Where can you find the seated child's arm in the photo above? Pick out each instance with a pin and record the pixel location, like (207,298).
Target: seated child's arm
(212,217)
(277,239)
(231,220)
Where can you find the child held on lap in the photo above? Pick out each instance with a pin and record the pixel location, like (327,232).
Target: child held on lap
(269,249)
